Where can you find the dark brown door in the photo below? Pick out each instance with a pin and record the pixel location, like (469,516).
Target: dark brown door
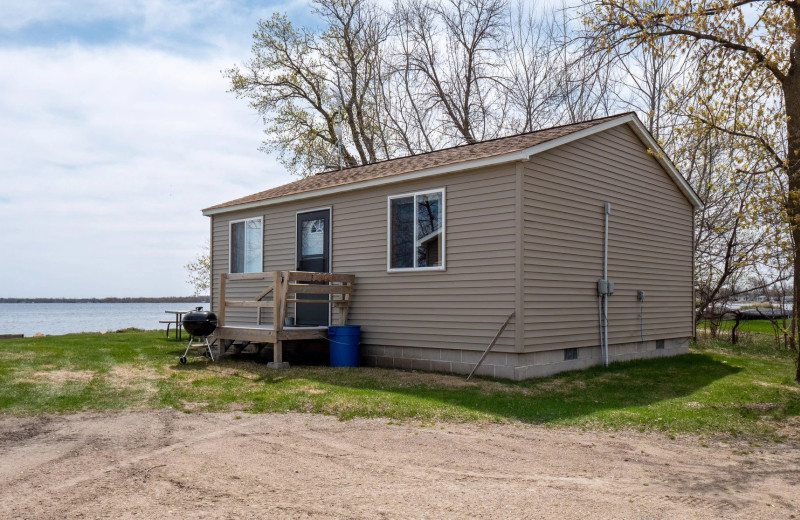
(313,254)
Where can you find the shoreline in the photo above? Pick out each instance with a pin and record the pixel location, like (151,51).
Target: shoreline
(162,299)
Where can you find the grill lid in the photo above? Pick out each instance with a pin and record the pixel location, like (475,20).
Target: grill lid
(199,322)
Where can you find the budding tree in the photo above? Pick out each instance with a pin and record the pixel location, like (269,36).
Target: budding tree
(311,86)
(745,55)
(199,271)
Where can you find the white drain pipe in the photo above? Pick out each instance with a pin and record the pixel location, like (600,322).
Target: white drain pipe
(605,277)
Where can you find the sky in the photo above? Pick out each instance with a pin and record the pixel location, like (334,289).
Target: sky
(116,129)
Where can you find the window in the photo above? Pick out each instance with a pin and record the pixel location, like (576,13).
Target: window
(246,250)
(416,231)
(570,354)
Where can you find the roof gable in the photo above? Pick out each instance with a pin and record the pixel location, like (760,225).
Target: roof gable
(459,158)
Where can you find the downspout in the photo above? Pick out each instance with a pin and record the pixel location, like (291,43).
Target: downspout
(605,276)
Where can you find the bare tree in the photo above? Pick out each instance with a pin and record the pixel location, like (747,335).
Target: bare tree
(456,47)
(409,112)
(648,79)
(585,78)
(530,74)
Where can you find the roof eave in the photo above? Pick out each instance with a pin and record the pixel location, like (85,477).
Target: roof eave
(521,155)
(391,179)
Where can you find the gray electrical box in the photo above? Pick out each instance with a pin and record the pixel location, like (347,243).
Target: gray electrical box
(640,295)
(605,286)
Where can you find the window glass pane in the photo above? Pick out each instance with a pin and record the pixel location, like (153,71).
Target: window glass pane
(237,247)
(253,246)
(402,233)
(429,230)
(313,239)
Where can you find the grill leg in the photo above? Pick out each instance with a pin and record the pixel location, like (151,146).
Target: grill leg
(208,347)
(182,359)
(189,346)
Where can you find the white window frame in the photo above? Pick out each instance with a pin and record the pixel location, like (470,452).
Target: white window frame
(260,249)
(414,194)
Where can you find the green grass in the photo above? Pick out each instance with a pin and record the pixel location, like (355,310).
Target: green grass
(709,391)
(760,326)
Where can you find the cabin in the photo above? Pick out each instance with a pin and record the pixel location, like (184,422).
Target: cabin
(578,238)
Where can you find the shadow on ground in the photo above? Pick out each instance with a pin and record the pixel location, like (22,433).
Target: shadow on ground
(366,392)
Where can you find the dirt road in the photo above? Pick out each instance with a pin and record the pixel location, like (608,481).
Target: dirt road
(166,463)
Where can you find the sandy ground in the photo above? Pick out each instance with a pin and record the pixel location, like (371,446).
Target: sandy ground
(161,464)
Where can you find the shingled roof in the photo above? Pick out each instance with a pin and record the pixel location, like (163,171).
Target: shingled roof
(502,146)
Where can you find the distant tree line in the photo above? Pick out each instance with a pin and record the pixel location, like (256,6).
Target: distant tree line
(163,299)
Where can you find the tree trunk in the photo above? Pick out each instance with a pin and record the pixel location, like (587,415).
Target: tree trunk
(791,91)
(734,337)
(713,326)
(796,287)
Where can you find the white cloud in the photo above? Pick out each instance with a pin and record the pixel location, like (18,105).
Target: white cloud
(116,130)
(107,155)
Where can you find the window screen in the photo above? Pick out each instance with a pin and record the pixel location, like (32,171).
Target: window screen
(402,233)
(246,246)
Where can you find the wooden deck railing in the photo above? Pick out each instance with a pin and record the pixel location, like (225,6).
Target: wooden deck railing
(280,285)
(339,288)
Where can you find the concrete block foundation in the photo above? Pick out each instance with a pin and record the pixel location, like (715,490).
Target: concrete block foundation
(515,366)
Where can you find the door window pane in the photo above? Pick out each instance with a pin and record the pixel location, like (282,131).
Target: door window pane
(313,239)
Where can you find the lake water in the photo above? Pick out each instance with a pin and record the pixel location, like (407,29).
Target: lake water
(63,318)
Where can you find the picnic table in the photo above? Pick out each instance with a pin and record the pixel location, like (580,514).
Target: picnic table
(177,321)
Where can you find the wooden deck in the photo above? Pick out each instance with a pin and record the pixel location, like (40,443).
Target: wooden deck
(280,288)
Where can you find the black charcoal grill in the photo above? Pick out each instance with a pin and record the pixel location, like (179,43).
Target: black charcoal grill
(199,324)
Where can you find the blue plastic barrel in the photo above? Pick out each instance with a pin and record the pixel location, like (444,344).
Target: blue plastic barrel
(344,345)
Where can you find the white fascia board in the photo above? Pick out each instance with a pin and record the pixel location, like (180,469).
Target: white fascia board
(522,155)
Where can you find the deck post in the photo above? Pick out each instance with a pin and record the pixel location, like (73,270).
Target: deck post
(344,309)
(279,301)
(223,277)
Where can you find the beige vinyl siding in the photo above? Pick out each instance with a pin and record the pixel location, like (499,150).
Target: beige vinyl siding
(650,244)
(461,307)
